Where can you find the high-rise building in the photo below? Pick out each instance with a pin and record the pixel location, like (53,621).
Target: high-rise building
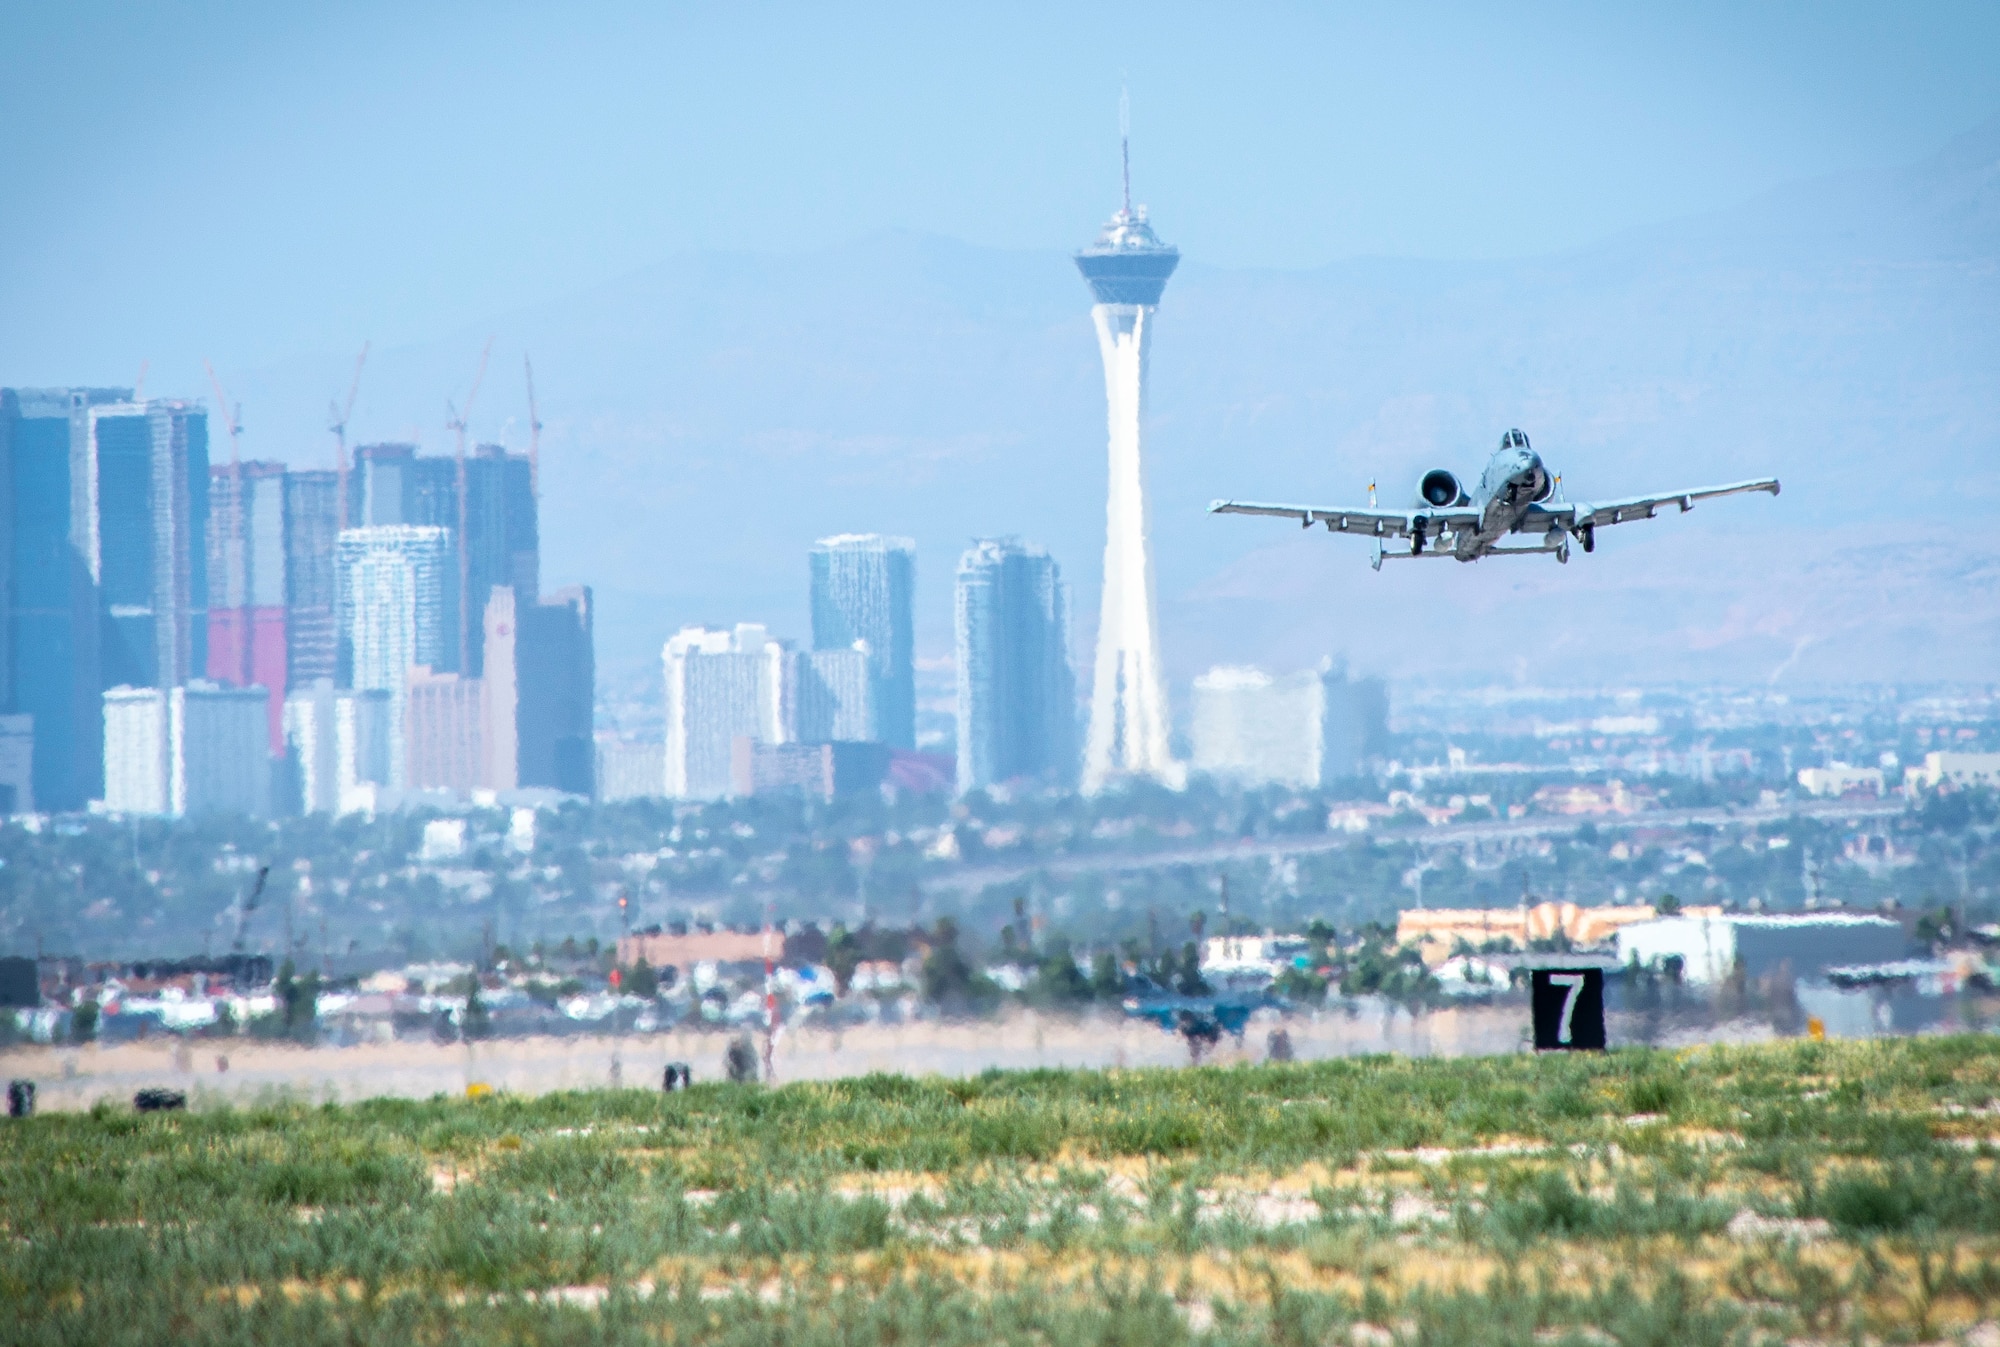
(556,677)
(864,589)
(144,516)
(220,750)
(501,726)
(17,764)
(400,609)
(502,534)
(393,484)
(1016,693)
(137,774)
(836,697)
(312,584)
(541,691)
(50,668)
(444,732)
(629,769)
(1127,270)
(1357,723)
(1256,729)
(248,589)
(188,750)
(721,685)
(337,741)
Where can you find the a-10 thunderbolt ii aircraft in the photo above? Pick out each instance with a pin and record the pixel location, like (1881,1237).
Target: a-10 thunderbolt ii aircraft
(1512,500)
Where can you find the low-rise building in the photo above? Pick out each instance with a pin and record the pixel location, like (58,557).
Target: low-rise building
(1438,931)
(1838,778)
(1957,769)
(1710,946)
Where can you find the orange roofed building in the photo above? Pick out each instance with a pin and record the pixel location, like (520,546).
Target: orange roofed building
(1438,930)
(682,952)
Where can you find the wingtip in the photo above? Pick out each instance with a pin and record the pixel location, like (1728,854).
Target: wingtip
(1776,486)
(1215,506)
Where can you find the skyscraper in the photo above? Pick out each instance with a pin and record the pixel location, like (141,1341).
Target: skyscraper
(337,742)
(399,594)
(145,472)
(836,697)
(312,586)
(1127,270)
(50,668)
(864,589)
(497,534)
(1016,694)
(1258,729)
(248,590)
(1357,722)
(118,542)
(541,691)
(444,732)
(502,535)
(722,685)
(556,678)
(192,749)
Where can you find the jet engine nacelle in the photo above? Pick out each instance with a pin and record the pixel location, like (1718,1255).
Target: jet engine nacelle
(1439,489)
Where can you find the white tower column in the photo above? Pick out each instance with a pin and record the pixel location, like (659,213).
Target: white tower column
(1127,270)
(1128,705)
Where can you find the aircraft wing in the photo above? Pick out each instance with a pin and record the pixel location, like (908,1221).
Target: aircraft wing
(1582,514)
(1371,523)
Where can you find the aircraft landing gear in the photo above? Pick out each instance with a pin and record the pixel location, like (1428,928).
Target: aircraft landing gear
(1562,551)
(1588,533)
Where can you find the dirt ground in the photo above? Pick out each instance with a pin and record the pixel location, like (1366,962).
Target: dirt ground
(76,1077)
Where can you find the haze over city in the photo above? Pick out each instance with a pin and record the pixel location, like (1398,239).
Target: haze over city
(703,673)
(787,280)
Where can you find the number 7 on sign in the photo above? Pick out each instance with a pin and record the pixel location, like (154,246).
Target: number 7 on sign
(1574,982)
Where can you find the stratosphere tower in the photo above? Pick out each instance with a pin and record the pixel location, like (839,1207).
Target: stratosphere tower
(1127,270)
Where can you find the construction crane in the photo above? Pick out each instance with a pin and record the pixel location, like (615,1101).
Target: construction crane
(249,905)
(534,433)
(235,420)
(456,424)
(139,384)
(336,421)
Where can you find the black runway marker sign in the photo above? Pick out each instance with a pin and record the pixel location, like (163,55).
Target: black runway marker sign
(1569,1009)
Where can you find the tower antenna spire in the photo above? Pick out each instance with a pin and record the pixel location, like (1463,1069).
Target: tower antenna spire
(1125,143)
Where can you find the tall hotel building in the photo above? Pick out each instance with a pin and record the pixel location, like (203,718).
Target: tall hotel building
(1016,693)
(864,590)
(392,484)
(722,686)
(195,749)
(1127,270)
(399,600)
(312,585)
(248,589)
(50,629)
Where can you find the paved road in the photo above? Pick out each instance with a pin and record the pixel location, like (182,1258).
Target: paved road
(974,878)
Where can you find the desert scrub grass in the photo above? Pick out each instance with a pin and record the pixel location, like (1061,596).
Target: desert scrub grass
(1818,1191)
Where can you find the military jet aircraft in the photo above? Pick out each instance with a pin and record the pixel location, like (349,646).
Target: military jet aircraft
(1513,499)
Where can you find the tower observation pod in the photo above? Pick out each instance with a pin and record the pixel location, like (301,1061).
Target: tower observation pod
(1127,269)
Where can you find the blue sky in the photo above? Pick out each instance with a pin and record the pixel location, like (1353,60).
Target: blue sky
(256,181)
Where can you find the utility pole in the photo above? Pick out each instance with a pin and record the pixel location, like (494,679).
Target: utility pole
(770,998)
(617,993)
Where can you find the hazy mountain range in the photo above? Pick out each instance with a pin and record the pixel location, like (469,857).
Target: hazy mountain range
(709,417)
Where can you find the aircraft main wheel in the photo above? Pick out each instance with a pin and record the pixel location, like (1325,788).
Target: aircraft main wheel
(1562,554)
